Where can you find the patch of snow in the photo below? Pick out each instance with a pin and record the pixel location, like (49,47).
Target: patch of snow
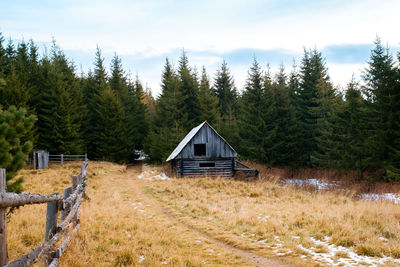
(312,182)
(142,155)
(140,176)
(263,218)
(395,198)
(327,185)
(383,239)
(296,237)
(141,258)
(162,176)
(150,175)
(353,258)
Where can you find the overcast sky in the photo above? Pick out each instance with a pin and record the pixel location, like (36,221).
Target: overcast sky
(144,33)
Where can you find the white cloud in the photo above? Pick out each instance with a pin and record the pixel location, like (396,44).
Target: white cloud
(147,29)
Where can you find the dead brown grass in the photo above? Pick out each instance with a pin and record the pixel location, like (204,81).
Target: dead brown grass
(245,213)
(117,227)
(348,179)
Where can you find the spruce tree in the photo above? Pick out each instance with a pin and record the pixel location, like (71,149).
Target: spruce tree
(284,130)
(252,124)
(14,125)
(355,153)
(188,95)
(110,140)
(136,124)
(268,107)
(293,140)
(313,75)
(382,91)
(343,143)
(9,59)
(207,101)
(2,55)
(94,84)
(225,90)
(167,129)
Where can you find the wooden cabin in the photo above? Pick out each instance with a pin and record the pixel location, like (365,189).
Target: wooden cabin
(203,152)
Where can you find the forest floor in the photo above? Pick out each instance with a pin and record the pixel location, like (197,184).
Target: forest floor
(138,216)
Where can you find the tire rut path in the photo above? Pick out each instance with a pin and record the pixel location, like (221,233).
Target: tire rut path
(134,170)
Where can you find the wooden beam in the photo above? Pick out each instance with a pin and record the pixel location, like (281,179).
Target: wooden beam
(16,200)
(66,208)
(3,226)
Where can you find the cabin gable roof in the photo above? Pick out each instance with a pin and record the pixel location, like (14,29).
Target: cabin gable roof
(191,135)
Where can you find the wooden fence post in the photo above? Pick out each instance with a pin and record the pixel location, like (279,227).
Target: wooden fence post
(34,160)
(3,228)
(67,193)
(51,220)
(74,182)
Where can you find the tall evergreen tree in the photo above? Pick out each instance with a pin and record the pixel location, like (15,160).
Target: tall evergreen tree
(314,85)
(14,125)
(188,94)
(59,106)
(284,124)
(252,124)
(225,90)
(167,129)
(110,140)
(382,91)
(95,83)
(3,59)
(207,101)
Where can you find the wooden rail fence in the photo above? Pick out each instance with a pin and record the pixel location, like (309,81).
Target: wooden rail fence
(60,234)
(63,158)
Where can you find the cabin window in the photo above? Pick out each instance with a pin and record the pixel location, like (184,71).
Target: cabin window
(199,149)
(207,164)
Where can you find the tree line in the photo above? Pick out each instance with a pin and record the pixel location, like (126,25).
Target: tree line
(296,119)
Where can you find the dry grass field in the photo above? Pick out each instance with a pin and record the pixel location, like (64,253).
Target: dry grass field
(122,223)
(117,227)
(301,226)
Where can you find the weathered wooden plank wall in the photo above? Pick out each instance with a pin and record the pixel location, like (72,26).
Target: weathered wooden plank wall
(223,167)
(216,147)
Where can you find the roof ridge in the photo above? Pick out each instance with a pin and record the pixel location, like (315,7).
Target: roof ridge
(185,140)
(189,137)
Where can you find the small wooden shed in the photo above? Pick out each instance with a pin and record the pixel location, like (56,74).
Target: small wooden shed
(203,152)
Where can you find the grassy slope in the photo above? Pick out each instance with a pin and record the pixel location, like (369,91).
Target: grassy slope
(117,229)
(243,213)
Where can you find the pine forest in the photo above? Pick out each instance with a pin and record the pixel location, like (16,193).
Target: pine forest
(295,118)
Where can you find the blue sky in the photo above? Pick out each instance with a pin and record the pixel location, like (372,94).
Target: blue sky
(144,33)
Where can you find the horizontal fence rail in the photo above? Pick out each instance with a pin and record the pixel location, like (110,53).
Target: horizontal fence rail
(69,221)
(62,158)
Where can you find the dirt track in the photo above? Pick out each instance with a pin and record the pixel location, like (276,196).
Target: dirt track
(134,170)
